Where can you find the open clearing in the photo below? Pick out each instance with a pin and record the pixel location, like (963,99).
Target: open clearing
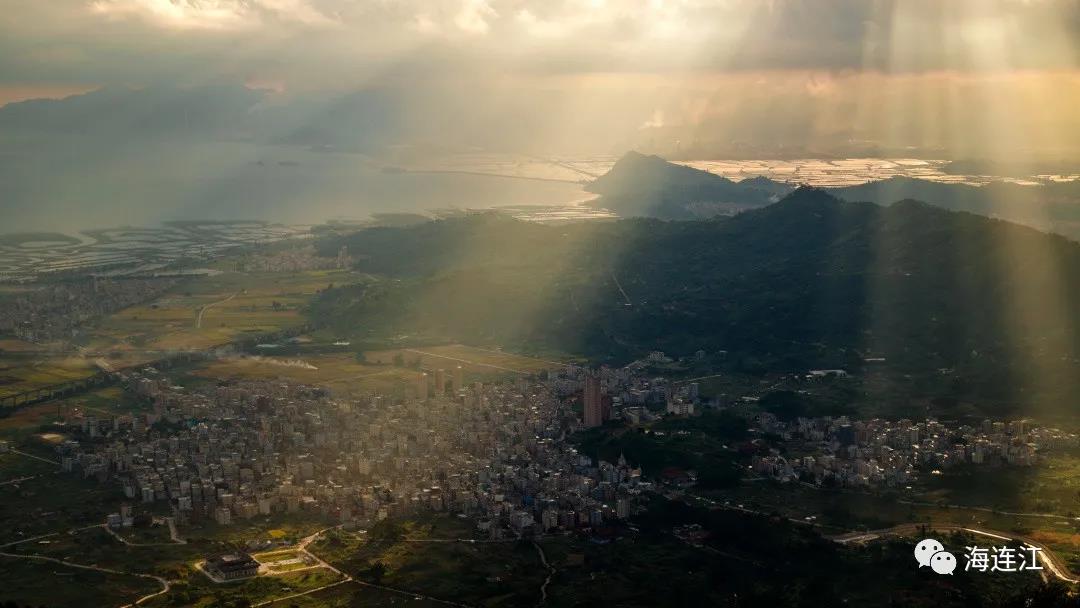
(470,358)
(233,306)
(343,374)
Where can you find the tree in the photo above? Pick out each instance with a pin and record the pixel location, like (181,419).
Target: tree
(376,572)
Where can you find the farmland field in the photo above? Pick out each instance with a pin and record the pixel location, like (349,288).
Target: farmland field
(212,311)
(381,371)
(18,374)
(200,313)
(341,373)
(471,358)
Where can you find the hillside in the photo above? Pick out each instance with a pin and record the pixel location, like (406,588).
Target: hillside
(640,185)
(649,186)
(1053,207)
(810,281)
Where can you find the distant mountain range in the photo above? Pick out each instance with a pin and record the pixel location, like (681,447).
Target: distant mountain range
(1053,207)
(649,186)
(142,156)
(810,281)
(360,120)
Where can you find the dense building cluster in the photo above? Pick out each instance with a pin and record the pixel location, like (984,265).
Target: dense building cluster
(627,393)
(291,259)
(58,309)
(882,452)
(235,451)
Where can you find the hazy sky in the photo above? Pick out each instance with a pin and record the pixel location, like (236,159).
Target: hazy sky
(967,75)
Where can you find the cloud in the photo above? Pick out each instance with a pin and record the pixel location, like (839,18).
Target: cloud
(474,16)
(311,44)
(210,14)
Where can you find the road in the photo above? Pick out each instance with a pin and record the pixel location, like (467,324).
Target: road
(427,354)
(17,480)
(918,503)
(551,573)
(174,539)
(202,311)
(302,547)
(21,453)
(165,584)
(49,535)
(1054,563)
(173,534)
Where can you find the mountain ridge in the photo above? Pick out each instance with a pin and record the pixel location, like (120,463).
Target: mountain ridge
(640,184)
(810,281)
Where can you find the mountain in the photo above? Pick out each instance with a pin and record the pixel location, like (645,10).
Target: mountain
(649,186)
(641,185)
(142,156)
(353,121)
(126,114)
(810,281)
(1053,207)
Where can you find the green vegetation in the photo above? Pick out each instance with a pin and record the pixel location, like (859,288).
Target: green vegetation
(394,554)
(34,583)
(650,186)
(705,445)
(762,561)
(199,591)
(809,282)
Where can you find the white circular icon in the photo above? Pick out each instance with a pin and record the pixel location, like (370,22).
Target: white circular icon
(943,562)
(926,549)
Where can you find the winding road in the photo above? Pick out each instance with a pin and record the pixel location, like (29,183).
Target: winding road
(551,573)
(165,584)
(202,311)
(1053,562)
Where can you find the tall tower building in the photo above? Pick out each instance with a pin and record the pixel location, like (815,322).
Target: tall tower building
(459,379)
(421,385)
(440,381)
(593,403)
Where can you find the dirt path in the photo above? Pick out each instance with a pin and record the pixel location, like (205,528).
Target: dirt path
(202,311)
(165,585)
(551,573)
(498,367)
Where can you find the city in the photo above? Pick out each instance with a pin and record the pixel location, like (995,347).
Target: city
(520,303)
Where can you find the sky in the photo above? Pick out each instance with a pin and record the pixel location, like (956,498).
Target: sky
(965,77)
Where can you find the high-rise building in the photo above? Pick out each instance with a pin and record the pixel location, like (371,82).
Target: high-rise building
(593,402)
(440,381)
(459,379)
(421,385)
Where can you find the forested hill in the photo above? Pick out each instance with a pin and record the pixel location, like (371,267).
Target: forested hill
(1052,207)
(809,281)
(649,186)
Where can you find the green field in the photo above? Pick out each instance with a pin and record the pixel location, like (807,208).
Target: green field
(488,574)
(341,373)
(199,591)
(472,359)
(36,583)
(383,371)
(233,305)
(19,374)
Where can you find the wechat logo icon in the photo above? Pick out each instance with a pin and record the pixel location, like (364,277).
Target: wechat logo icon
(930,552)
